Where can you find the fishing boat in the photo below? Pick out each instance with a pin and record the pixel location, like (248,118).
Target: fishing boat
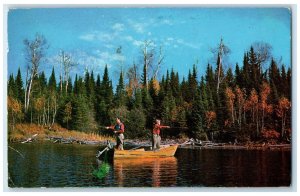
(164,151)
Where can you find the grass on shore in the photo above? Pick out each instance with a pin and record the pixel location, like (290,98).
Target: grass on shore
(22,132)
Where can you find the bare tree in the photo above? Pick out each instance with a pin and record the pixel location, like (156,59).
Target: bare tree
(120,61)
(151,60)
(34,53)
(263,52)
(133,77)
(148,54)
(159,62)
(220,51)
(66,63)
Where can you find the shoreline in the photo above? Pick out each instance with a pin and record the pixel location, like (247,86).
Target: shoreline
(146,143)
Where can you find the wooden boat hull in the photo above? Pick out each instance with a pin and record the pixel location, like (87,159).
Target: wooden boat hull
(168,151)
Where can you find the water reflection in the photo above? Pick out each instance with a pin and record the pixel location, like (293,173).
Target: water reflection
(155,172)
(51,165)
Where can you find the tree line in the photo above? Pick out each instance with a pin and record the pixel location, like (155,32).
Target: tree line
(248,103)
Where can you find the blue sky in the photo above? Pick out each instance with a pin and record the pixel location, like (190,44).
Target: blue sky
(186,35)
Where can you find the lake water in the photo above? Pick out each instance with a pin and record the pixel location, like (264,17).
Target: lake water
(63,165)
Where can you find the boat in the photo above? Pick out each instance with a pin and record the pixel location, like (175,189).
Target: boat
(164,151)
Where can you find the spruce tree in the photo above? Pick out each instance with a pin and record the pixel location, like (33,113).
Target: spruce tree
(120,92)
(246,82)
(19,90)
(195,118)
(76,88)
(70,86)
(106,88)
(283,83)
(238,76)
(289,82)
(80,114)
(230,78)
(275,81)
(42,83)
(174,83)
(204,96)
(52,86)
(137,102)
(11,86)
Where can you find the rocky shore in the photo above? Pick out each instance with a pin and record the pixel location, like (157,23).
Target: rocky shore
(183,143)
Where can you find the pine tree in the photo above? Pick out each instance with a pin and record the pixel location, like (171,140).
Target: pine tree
(209,77)
(80,114)
(238,76)
(120,92)
(98,86)
(90,87)
(137,102)
(174,83)
(106,88)
(76,88)
(283,83)
(192,85)
(230,78)
(52,85)
(42,82)
(204,96)
(289,82)
(255,74)
(70,86)
(19,90)
(87,83)
(246,82)
(80,88)
(194,118)
(11,86)
(274,80)
(144,77)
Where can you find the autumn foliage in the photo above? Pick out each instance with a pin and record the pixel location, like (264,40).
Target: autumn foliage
(270,134)
(251,101)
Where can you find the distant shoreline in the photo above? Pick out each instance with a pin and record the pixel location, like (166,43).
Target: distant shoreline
(146,143)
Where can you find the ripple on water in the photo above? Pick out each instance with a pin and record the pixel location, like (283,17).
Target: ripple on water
(48,165)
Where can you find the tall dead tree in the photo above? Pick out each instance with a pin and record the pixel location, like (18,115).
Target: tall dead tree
(152,61)
(66,63)
(148,54)
(133,77)
(34,50)
(263,53)
(159,63)
(221,51)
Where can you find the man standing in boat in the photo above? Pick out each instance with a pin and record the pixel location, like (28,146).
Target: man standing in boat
(118,130)
(156,134)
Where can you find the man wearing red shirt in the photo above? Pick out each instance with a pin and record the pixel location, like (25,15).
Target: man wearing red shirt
(156,137)
(118,130)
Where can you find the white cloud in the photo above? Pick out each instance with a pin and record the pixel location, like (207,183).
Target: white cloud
(110,58)
(83,60)
(166,22)
(139,27)
(128,38)
(89,61)
(137,43)
(109,46)
(170,39)
(97,35)
(87,37)
(118,27)
(105,36)
(191,45)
